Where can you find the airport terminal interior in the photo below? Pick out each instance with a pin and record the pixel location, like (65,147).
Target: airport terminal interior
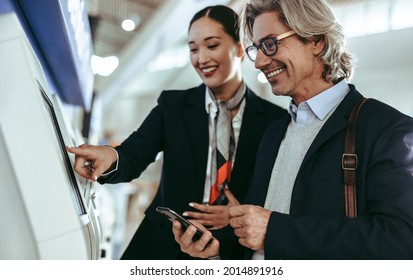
(90,71)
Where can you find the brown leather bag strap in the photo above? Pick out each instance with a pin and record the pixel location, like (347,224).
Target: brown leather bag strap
(349,162)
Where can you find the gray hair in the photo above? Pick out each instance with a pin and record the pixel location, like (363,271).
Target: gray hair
(312,20)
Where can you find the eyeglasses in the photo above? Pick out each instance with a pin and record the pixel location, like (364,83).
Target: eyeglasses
(268,46)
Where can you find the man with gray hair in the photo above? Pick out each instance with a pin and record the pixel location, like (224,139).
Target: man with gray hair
(296,204)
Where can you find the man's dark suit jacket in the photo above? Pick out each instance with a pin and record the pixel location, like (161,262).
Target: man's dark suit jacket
(317,227)
(178,126)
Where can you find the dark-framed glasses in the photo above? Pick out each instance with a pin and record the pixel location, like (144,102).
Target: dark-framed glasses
(268,46)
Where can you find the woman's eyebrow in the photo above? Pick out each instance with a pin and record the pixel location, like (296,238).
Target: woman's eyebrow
(206,39)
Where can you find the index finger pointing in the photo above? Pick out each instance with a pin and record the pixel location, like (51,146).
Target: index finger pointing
(232,200)
(79,151)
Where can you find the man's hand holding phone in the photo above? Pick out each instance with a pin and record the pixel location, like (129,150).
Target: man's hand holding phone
(193,237)
(202,248)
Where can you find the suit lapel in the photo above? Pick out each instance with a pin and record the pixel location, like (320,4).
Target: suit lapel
(337,122)
(253,122)
(197,121)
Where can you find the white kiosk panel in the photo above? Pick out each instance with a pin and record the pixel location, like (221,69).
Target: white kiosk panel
(43,214)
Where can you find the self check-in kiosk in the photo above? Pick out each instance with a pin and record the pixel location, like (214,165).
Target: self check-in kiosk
(44,213)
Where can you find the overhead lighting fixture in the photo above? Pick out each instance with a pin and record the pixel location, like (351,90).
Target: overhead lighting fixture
(128,25)
(104,66)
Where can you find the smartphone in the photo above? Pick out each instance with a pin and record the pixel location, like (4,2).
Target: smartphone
(172,216)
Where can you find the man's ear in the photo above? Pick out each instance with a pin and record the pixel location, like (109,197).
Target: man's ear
(318,45)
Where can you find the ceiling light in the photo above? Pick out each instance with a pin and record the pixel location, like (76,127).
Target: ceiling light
(104,66)
(128,25)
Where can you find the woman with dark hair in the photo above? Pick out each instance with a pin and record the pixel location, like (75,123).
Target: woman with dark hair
(208,134)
